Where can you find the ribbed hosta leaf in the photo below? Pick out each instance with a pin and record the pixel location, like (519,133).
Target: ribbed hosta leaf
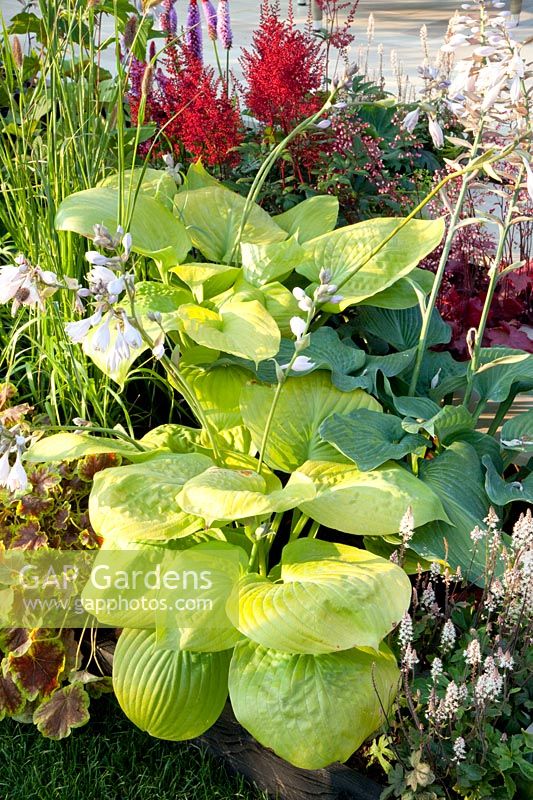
(367,503)
(311,710)
(304,403)
(331,597)
(170,694)
(311,218)
(137,503)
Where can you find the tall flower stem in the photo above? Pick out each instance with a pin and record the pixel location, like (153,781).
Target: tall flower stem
(493,281)
(428,311)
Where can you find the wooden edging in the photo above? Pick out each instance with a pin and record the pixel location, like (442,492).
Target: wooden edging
(242,754)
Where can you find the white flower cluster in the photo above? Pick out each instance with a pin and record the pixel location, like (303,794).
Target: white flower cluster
(405,631)
(448,636)
(489,684)
(449,705)
(407,526)
(112,332)
(12,473)
(25,285)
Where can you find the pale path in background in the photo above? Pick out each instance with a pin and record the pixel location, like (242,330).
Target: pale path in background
(397,26)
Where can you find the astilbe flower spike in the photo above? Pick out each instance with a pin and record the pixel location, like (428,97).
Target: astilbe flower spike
(225,34)
(194,30)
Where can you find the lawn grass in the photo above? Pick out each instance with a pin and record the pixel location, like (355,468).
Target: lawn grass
(109,759)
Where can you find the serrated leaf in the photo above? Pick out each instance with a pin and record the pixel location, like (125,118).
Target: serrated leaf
(329,597)
(304,403)
(212,216)
(311,710)
(170,694)
(369,438)
(137,502)
(37,671)
(155,230)
(65,709)
(12,700)
(345,250)
(367,503)
(310,218)
(242,329)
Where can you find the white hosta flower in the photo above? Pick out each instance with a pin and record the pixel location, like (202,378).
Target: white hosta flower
(117,353)
(436,133)
(5,468)
(298,326)
(17,479)
(172,167)
(302,364)
(11,280)
(131,334)
(410,120)
(304,301)
(78,330)
(323,124)
(158,351)
(96,259)
(102,336)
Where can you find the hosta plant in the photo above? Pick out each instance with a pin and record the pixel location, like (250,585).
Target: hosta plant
(311,463)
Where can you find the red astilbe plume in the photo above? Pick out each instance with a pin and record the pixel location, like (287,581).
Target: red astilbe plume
(193,109)
(282,70)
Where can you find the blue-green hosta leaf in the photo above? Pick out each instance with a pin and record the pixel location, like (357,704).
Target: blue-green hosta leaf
(156,183)
(212,216)
(500,491)
(155,230)
(264,263)
(242,329)
(483,444)
(501,367)
(369,438)
(206,280)
(401,327)
(304,403)
(419,408)
(455,476)
(440,374)
(310,218)
(331,597)
(230,494)
(517,433)
(402,293)
(311,710)
(137,503)
(325,351)
(170,694)
(390,365)
(367,503)
(150,296)
(345,250)
(447,423)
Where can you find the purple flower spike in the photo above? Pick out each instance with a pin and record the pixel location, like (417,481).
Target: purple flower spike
(194,30)
(224,24)
(211,19)
(169,19)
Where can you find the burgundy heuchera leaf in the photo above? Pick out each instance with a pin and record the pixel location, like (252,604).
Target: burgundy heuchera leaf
(37,671)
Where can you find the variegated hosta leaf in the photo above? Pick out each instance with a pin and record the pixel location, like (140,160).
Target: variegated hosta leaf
(311,710)
(230,494)
(303,405)
(137,503)
(367,503)
(331,597)
(171,694)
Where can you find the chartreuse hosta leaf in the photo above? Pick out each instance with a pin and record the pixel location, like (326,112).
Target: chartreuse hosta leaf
(218,390)
(304,403)
(517,433)
(402,294)
(171,694)
(155,231)
(149,297)
(367,503)
(345,250)
(137,503)
(206,280)
(311,218)
(369,438)
(274,297)
(68,446)
(230,494)
(212,216)
(242,329)
(311,710)
(156,183)
(331,597)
